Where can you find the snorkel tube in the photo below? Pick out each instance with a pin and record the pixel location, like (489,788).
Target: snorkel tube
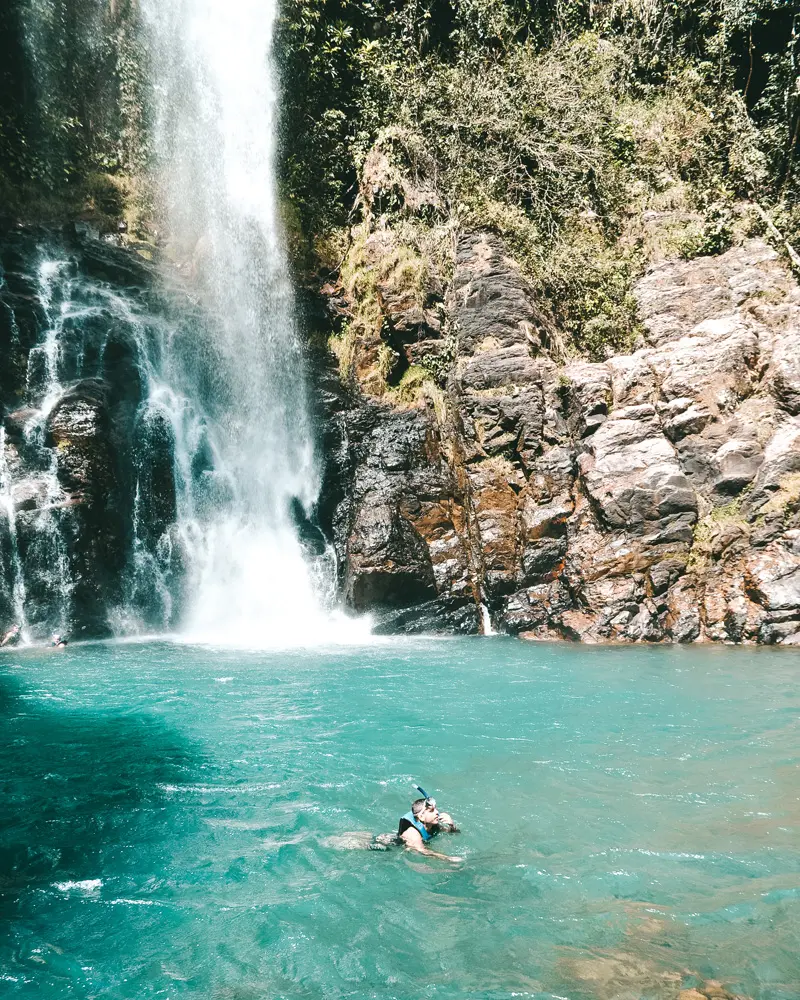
(422,792)
(428,799)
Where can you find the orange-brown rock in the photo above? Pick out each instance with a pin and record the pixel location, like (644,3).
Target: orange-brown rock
(653,497)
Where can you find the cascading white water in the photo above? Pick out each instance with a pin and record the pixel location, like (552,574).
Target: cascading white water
(80,319)
(46,555)
(7,506)
(250,580)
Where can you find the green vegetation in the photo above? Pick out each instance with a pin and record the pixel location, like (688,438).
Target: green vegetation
(411,385)
(594,137)
(73,135)
(714,532)
(786,498)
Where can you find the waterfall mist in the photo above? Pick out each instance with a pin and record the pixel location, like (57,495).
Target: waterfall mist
(249,471)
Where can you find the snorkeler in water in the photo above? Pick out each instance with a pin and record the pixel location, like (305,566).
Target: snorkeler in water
(415,830)
(422,823)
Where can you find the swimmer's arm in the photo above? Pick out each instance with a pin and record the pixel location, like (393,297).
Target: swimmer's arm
(414,842)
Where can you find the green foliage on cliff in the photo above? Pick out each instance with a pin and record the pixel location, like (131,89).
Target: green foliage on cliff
(352,67)
(72,106)
(593,136)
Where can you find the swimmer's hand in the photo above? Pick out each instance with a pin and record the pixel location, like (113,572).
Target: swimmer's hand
(446,823)
(413,842)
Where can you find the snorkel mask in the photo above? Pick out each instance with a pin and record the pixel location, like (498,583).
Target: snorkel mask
(429,801)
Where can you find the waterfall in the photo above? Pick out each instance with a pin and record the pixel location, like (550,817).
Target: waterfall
(245,459)
(30,492)
(157,460)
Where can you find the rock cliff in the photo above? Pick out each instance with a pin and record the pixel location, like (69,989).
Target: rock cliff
(652,497)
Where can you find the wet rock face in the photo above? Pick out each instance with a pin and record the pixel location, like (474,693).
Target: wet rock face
(68,465)
(80,429)
(21,316)
(490,299)
(396,524)
(653,497)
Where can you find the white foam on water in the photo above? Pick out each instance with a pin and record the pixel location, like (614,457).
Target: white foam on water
(318,630)
(219,789)
(134,902)
(88,886)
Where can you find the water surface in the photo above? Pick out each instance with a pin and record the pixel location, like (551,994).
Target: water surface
(170,820)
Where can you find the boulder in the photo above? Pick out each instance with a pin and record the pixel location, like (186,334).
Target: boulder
(631,472)
(587,395)
(490,300)
(773,579)
(79,428)
(682,621)
(391,510)
(28,494)
(677,295)
(784,377)
(441,616)
(738,462)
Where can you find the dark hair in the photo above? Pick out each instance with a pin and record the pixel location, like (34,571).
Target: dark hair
(417,806)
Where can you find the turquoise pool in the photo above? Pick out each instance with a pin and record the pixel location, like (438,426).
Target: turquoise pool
(173,821)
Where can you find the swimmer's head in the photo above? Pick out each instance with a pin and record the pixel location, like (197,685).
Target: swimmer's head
(425,811)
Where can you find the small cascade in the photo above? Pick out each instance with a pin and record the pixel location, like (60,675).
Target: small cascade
(15,587)
(96,342)
(47,555)
(31,491)
(486,621)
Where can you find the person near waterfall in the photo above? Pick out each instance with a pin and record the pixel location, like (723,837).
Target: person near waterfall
(12,636)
